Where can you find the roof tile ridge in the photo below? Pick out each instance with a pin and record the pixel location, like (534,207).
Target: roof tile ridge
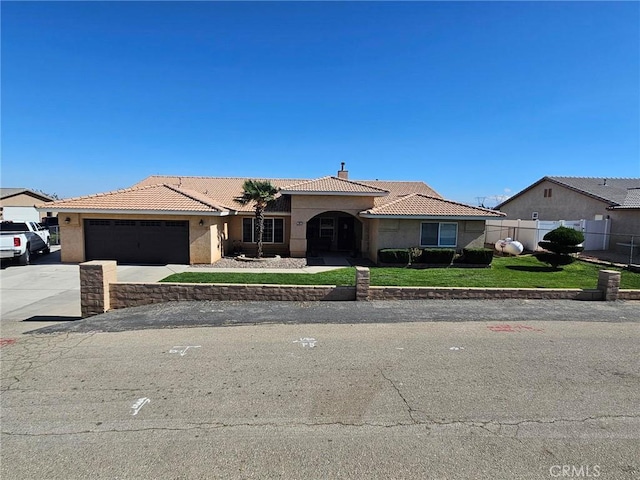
(304,182)
(484,209)
(110,192)
(187,192)
(594,178)
(430,197)
(394,202)
(358,182)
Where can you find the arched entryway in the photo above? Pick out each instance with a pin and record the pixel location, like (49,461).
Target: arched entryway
(334,231)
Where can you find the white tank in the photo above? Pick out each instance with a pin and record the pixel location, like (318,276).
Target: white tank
(510,246)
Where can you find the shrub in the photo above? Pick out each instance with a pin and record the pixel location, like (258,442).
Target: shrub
(477,256)
(437,255)
(554,259)
(560,242)
(394,255)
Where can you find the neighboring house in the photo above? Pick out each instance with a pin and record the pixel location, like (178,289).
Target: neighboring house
(19,204)
(577,198)
(167,219)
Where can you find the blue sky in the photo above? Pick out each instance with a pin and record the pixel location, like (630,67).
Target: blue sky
(476,99)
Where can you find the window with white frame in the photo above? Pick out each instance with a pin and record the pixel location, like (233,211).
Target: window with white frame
(438,234)
(273,230)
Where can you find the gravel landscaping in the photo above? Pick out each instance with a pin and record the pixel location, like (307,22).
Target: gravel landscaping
(230,262)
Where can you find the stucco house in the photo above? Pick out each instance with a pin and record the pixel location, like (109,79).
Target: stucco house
(576,198)
(18,204)
(173,219)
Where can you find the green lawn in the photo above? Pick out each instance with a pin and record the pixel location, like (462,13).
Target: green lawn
(518,272)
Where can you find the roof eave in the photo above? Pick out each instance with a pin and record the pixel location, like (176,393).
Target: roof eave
(336,194)
(120,211)
(431,217)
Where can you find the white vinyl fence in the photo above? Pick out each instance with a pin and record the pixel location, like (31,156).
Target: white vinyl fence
(530,232)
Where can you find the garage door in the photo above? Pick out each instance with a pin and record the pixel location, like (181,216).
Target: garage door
(137,241)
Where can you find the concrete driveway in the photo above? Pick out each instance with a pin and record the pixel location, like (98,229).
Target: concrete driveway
(48,291)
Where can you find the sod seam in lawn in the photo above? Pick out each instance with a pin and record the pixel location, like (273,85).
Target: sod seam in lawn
(508,272)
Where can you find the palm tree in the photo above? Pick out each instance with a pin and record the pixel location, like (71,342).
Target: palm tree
(262,193)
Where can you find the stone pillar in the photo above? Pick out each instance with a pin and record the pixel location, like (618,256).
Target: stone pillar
(95,278)
(363,281)
(609,284)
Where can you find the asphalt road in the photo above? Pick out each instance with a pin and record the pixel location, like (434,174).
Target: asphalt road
(199,314)
(506,397)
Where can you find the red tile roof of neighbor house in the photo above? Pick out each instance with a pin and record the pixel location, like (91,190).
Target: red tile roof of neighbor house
(218,194)
(418,205)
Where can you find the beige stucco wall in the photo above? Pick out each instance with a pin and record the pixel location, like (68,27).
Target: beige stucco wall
(397,233)
(564,204)
(305,207)
(205,242)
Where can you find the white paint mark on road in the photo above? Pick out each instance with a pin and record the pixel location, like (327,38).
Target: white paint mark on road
(307,342)
(182,350)
(141,402)
(456,348)
(399,348)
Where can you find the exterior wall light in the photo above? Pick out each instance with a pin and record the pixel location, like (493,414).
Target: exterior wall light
(67,220)
(201,222)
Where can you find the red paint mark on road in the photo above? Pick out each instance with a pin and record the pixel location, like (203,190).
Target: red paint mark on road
(513,328)
(7,341)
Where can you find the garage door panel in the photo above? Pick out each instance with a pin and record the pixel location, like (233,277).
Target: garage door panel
(137,241)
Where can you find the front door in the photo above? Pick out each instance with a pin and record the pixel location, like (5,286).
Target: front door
(346,233)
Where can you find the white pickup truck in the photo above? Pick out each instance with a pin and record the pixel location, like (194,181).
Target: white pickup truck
(19,240)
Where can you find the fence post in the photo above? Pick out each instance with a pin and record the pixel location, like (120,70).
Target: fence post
(609,284)
(95,277)
(363,281)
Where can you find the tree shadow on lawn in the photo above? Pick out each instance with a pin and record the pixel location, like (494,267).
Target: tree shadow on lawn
(534,269)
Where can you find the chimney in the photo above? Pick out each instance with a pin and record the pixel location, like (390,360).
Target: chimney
(342,173)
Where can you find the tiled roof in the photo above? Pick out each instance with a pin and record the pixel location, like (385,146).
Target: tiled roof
(418,205)
(609,190)
(198,194)
(10,192)
(333,185)
(632,199)
(612,190)
(224,190)
(153,197)
(399,189)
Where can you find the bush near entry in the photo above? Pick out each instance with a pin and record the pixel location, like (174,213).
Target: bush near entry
(399,256)
(477,256)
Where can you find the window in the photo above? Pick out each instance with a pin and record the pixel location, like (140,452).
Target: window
(547,193)
(327,228)
(273,230)
(150,223)
(100,223)
(438,234)
(125,223)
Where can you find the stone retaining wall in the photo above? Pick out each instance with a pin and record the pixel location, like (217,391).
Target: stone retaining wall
(124,295)
(100,291)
